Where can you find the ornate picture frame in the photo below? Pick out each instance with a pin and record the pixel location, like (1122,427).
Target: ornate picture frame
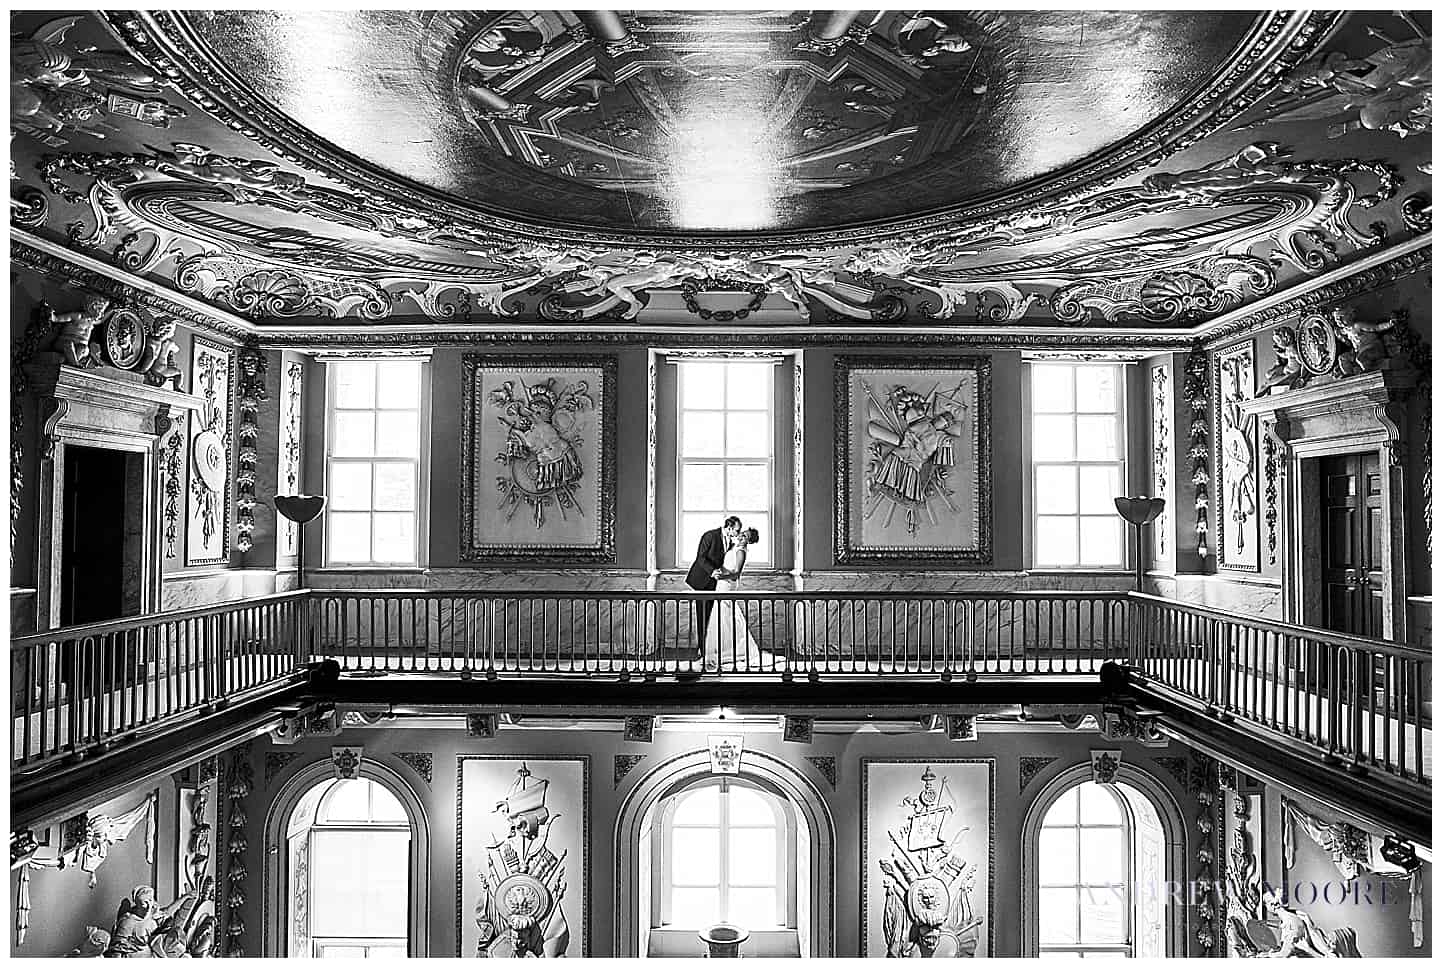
(931,810)
(913,460)
(519,506)
(210,474)
(544,799)
(1237,454)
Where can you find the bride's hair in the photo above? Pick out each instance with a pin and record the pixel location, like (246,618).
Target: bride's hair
(752,536)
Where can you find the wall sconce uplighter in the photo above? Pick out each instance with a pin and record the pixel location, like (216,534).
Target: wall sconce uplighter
(302,509)
(1139,512)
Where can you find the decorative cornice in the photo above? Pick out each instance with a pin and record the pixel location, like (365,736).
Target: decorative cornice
(57,262)
(1376,269)
(1363,275)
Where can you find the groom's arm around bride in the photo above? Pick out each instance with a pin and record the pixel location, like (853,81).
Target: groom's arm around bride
(710,553)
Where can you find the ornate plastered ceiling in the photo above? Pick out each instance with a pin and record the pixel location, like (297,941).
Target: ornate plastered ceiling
(983,168)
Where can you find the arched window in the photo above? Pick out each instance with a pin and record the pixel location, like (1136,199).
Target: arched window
(348,867)
(1098,863)
(728,849)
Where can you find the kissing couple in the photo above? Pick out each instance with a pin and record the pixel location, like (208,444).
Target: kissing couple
(726,640)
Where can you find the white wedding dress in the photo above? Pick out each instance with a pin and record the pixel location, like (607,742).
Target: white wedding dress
(729,643)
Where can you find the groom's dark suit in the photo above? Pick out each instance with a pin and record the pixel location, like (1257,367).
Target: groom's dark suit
(710,553)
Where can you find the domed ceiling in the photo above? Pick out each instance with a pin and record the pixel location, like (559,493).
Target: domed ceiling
(490,169)
(720,120)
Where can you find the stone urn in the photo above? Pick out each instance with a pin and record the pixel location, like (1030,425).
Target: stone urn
(724,940)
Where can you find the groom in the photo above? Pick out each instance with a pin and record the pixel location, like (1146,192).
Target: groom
(709,555)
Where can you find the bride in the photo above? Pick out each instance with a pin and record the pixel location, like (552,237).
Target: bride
(729,643)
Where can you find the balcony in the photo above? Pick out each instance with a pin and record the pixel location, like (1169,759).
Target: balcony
(1356,705)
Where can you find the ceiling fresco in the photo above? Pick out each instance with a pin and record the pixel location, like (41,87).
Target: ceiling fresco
(720,120)
(1138,169)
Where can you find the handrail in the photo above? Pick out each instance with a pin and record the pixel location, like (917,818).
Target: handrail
(1402,649)
(150,618)
(78,689)
(1361,702)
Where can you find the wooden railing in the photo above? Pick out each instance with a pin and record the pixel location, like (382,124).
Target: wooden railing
(1361,702)
(87,686)
(791,634)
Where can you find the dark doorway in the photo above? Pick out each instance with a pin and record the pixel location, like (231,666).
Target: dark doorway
(1352,552)
(100,557)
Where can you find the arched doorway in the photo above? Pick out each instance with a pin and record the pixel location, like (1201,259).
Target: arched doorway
(1098,861)
(345,867)
(695,848)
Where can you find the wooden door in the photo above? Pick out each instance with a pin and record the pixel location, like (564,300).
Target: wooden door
(1352,552)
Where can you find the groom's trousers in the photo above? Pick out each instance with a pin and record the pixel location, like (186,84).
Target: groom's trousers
(702,617)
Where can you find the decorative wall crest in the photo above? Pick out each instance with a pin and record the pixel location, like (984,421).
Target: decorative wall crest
(725,753)
(1237,490)
(276,764)
(1105,764)
(347,761)
(797,729)
(639,729)
(208,508)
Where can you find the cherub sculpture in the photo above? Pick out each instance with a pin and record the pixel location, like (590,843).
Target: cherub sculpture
(73,340)
(157,360)
(1370,348)
(1287,373)
(1285,933)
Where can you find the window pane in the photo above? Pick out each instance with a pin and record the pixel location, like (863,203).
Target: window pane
(748,435)
(701,435)
(1056,856)
(695,907)
(753,907)
(397,434)
(349,536)
(748,385)
(1103,914)
(1056,541)
(395,539)
(1099,485)
(753,856)
(385,951)
(1096,438)
(703,385)
(385,808)
(1096,389)
(1101,860)
(699,806)
(703,487)
(1051,438)
(1063,810)
(693,526)
(348,802)
(759,553)
(1098,806)
(748,488)
(395,487)
(695,856)
(355,384)
(1056,490)
(1051,388)
(365,876)
(1101,541)
(748,807)
(350,487)
(1057,914)
(355,434)
(398,384)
